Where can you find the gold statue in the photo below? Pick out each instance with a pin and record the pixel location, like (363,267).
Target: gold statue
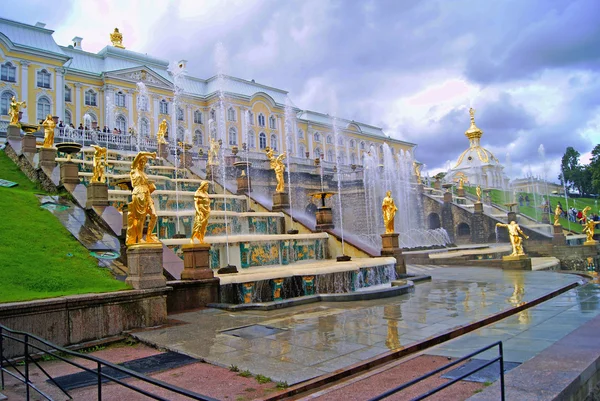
(162,131)
(478,192)
(100,162)
(202,206)
(584,212)
(417,170)
(461,183)
(141,204)
(15,109)
(48,125)
(213,152)
(388,207)
(117,39)
(276,163)
(557,213)
(588,229)
(515,240)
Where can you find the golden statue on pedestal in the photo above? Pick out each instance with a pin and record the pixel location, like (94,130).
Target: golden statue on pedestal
(478,192)
(213,152)
(515,240)
(276,164)
(141,204)
(117,39)
(417,170)
(388,207)
(49,126)
(557,213)
(202,206)
(162,131)
(589,230)
(461,183)
(99,164)
(14,110)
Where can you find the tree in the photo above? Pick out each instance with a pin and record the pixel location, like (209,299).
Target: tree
(569,167)
(594,168)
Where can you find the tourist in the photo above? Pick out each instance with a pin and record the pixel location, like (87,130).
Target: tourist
(115,131)
(580,218)
(521,200)
(527,200)
(105,129)
(80,127)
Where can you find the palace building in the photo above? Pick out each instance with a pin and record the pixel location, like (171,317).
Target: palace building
(69,82)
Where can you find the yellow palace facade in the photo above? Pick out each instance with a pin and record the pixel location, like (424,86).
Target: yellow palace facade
(68,82)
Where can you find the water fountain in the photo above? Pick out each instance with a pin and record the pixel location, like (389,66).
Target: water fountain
(142,106)
(336,137)
(290,129)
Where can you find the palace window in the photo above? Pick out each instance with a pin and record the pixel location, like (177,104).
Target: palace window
(272,123)
(300,134)
(120,99)
(251,139)
(362,146)
(274,142)
(261,120)
(231,114)
(198,138)
(143,103)
(121,124)
(43,79)
(213,115)
(340,141)
(8,72)
(250,117)
(179,114)
(5,102)
(318,152)
(67,94)
(262,140)
(180,134)
(163,107)
(232,136)
(145,127)
(352,143)
(93,119)
(352,158)
(91,98)
(68,118)
(317,137)
(330,156)
(301,150)
(197,117)
(329,139)
(43,108)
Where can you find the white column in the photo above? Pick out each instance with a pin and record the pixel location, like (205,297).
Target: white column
(190,120)
(25,87)
(60,94)
(77,118)
(109,92)
(309,141)
(130,93)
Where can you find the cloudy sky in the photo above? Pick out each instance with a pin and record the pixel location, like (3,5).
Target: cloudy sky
(530,68)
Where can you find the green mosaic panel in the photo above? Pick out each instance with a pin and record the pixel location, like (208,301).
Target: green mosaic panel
(215,258)
(259,254)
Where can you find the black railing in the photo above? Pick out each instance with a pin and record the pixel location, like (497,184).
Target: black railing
(499,358)
(35,347)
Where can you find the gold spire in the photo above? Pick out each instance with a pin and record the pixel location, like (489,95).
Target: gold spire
(117,39)
(473,132)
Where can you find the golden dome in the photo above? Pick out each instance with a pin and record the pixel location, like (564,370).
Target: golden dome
(473,132)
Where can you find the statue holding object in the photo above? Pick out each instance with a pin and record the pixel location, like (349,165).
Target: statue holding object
(388,207)
(202,206)
(14,110)
(100,162)
(141,204)
(515,240)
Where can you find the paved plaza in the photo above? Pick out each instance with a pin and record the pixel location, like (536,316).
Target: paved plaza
(299,343)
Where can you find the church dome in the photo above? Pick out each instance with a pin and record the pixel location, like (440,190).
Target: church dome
(475,155)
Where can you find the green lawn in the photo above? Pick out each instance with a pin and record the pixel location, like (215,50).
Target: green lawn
(500,197)
(39,258)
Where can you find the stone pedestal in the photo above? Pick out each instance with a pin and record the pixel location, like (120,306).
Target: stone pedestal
(558,237)
(97,195)
(324,218)
(511,216)
(591,243)
(460,192)
(213,172)
(447,197)
(196,262)
(545,218)
(13,133)
(69,174)
(281,200)
(478,207)
(420,188)
(437,184)
(145,266)
(185,159)
(47,158)
(244,185)
(478,231)
(29,144)
(163,150)
(522,262)
(390,246)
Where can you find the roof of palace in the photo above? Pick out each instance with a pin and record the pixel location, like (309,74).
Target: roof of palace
(29,37)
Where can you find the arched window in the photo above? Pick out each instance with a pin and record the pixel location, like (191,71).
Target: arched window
(318,153)
(5,102)
(43,108)
(145,127)
(93,117)
(262,140)
(261,120)
(342,158)
(274,142)
(250,117)
(120,99)
(231,114)
(352,158)
(67,94)
(197,117)
(68,118)
(198,138)
(362,145)
(300,134)
(352,143)
(43,79)
(143,103)
(272,122)
(8,72)
(121,124)
(381,150)
(232,136)
(91,98)
(340,141)
(317,137)
(163,107)
(251,139)
(330,156)
(301,150)
(179,114)
(180,134)
(213,115)
(329,139)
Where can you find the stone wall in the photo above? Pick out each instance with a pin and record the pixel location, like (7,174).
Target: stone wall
(193,294)
(33,173)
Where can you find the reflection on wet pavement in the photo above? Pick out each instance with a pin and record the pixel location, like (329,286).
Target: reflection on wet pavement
(318,339)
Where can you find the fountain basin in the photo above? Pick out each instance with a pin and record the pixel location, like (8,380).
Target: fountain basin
(29,128)
(70,148)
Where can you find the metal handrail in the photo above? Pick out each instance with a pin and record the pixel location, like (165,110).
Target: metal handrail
(499,358)
(57,352)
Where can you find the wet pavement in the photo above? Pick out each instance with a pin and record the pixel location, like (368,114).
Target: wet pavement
(298,343)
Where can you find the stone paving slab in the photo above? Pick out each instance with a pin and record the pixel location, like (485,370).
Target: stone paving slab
(317,338)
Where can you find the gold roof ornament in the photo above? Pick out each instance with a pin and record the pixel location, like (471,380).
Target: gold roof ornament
(475,150)
(117,39)
(473,132)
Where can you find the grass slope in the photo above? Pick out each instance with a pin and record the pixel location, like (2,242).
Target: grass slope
(35,248)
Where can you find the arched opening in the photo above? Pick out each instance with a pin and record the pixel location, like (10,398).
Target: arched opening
(463,230)
(433,221)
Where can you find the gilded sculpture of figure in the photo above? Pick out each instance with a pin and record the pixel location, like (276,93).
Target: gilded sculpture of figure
(417,170)
(461,183)
(202,206)
(141,204)
(49,126)
(117,39)
(213,152)
(15,109)
(388,207)
(584,216)
(100,162)
(515,240)
(589,229)
(276,163)
(162,131)
(557,213)
(478,192)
